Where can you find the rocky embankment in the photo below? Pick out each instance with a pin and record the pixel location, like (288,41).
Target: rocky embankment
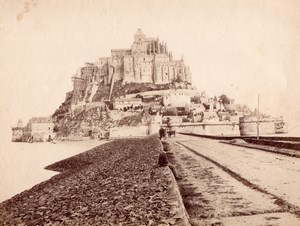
(118,183)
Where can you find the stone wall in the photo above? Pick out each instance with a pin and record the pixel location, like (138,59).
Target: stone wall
(214,129)
(188,92)
(117,115)
(173,119)
(94,105)
(17,134)
(133,131)
(148,61)
(128,131)
(128,69)
(250,128)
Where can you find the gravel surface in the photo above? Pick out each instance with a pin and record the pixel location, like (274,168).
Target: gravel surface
(272,176)
(210,194)
(274,173)
(118,183)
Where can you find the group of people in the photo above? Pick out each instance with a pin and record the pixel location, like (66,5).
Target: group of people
(140,107)
(164,132)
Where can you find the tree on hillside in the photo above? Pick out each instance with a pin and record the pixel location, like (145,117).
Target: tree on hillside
(172,111)
(224,99)
(196,99)
(139,96)
(178,79)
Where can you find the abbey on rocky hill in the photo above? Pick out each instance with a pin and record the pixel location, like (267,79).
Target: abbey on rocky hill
(147,61)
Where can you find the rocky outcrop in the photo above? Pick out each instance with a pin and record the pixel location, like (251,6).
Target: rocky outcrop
(81,123)
(118,183)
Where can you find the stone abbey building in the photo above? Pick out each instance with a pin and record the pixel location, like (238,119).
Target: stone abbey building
(147,61)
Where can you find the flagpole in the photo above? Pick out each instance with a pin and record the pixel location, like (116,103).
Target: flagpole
(257,117)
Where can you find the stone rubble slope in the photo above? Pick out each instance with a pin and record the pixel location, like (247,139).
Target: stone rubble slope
(118,183)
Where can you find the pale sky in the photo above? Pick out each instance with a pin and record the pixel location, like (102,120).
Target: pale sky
(237,47)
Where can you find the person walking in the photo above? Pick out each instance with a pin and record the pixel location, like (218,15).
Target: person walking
(161,133)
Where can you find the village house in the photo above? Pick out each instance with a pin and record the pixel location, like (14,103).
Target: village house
(38,129)
(17,132)
(176,99)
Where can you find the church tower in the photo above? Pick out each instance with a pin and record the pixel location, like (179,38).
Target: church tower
(139,46)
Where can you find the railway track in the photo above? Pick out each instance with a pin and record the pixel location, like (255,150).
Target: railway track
(275,138)
(215,194)
(266,148)
(288,146)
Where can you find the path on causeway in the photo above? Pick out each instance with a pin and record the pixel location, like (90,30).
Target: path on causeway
(226,185)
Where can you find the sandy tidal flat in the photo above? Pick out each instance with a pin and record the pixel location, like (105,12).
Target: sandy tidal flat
(22,164)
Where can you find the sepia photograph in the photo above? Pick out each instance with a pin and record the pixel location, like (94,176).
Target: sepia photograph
(150,112)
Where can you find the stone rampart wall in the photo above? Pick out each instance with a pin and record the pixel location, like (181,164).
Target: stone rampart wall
(216,129)
(128,131)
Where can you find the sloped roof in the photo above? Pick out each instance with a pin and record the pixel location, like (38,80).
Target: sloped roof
(16,128)
(128,99)
(40,120)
